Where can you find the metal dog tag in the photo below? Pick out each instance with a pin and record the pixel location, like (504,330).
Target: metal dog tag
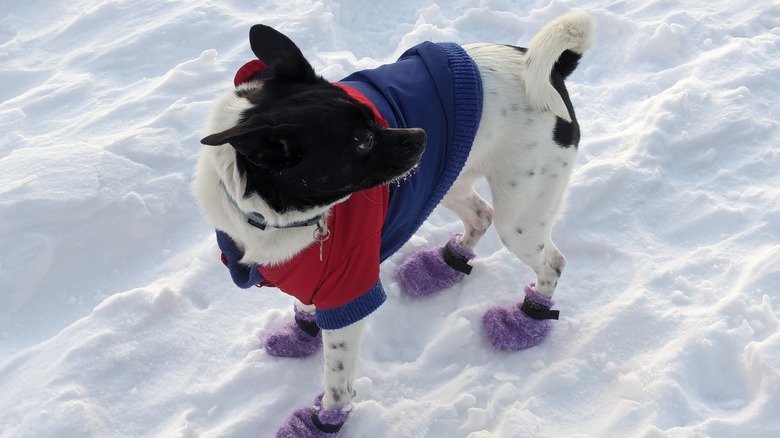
(321,234)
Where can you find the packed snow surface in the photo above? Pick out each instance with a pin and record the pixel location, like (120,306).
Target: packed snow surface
(118,320)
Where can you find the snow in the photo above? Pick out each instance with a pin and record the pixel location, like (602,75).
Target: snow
(117,319)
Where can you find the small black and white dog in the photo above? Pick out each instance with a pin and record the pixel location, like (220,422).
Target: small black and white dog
(311,184)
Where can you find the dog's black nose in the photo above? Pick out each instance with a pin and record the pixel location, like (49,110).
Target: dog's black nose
(416,138)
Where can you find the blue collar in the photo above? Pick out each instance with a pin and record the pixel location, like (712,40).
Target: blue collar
(257,220)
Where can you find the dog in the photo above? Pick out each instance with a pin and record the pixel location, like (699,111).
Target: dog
(312,184)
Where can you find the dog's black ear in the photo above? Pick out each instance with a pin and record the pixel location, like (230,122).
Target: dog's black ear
(280,54)
(267,147)
(223,137)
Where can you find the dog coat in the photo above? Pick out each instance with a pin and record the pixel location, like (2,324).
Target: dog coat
(433,86)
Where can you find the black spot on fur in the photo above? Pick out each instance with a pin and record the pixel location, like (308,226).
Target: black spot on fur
(565,134)
(540,247)
(512,184)
(531,173)
(567,63)
(519,49)
(519,230)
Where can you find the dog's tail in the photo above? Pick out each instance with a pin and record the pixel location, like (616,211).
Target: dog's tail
(559,45)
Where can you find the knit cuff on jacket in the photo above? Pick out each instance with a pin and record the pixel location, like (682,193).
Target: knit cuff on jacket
(352,312)
(243,276)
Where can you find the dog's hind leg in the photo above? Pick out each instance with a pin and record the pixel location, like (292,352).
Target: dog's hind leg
(527,234)
(524,222)
(430,270)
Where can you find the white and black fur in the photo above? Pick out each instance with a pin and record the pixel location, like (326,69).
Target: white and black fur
(525,147)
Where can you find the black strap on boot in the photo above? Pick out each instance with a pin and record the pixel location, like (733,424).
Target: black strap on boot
(309,327)
(327,428)
(455,260)
(538,311)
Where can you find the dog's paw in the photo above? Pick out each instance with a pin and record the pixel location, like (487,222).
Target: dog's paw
(314,422)
(521,326)
(298,338)
(430,270)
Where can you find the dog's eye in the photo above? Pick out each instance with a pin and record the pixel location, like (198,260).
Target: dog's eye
(363,139)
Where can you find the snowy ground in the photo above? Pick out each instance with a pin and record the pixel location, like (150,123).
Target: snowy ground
(116,318)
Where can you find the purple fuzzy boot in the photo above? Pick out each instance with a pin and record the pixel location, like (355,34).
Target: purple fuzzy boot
(299,338)
(314,422)
(520,326)
(430,270)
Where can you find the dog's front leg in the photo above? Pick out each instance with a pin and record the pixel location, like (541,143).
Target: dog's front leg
(341,347)
(325,417)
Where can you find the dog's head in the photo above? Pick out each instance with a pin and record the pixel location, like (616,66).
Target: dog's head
(304,142)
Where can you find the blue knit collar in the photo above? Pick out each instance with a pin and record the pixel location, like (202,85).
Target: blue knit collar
(257,220)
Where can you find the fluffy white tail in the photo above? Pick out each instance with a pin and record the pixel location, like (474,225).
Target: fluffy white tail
(573,31)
